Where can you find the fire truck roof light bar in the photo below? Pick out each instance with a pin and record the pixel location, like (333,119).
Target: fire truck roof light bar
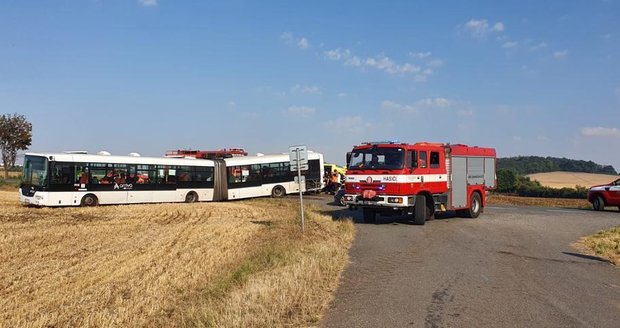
(380,142)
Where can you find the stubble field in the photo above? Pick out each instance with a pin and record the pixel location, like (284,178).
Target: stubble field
(571,179)
(159,265)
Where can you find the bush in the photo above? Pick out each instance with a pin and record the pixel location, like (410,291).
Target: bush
(546,192)
(508,181)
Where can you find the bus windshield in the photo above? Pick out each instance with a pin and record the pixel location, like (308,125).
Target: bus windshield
(35,171)
(377,158)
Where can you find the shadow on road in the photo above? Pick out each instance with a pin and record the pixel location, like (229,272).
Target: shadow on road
(588,257)
(339,213)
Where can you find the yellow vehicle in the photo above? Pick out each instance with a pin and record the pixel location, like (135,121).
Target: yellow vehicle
(328,176)
(331,168)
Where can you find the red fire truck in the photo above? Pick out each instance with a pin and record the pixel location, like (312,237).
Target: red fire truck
(392,178)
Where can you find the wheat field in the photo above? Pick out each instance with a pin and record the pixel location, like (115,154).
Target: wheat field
(571,179)
(161,265)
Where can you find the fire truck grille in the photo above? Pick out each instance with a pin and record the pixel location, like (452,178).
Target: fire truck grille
(374,199)
(372,186)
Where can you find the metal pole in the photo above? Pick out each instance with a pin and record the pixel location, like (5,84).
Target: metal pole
(301,199)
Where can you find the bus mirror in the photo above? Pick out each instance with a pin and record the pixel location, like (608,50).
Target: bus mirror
(348,158)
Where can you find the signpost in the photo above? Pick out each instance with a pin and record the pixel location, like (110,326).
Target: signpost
(299,162)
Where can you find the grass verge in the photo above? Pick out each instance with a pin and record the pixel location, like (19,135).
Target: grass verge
(500,199)
(234,264)
(605,244)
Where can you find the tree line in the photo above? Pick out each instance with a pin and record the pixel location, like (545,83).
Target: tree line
(523,165)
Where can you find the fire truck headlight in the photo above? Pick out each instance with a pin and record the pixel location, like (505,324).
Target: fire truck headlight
(348,198)
(396,200)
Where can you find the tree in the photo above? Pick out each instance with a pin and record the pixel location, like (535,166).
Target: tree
(15,134)
(506,180)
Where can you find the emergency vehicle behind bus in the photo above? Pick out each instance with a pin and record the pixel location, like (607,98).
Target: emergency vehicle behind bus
(421,179)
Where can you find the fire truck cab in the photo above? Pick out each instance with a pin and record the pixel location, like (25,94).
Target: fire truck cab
(392,178)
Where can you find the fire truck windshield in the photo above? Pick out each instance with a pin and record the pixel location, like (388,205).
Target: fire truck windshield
(377,158)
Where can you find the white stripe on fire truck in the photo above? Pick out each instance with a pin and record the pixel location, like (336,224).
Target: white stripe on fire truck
(398,178)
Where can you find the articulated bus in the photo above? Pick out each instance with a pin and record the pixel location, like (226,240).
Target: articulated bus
(78,179)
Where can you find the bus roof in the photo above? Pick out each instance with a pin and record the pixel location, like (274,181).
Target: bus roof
(248,160)
(93,158)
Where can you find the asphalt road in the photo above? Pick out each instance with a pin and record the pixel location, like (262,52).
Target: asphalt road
(511,267)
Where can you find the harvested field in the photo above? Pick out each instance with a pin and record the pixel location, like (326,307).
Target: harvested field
(12,174)
(571,179)
(497,199)
(205,264)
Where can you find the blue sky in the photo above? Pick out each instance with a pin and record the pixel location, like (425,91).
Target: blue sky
(525,77)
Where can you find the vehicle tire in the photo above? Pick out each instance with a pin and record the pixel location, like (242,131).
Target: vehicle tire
(420,210)
(342,202)
(598,203)
(370,216)
(191,197)
(430,210)
(278,192)
(475,207)
(89,200)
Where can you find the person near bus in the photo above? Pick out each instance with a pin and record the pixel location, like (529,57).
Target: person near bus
(83,177)
(335,182)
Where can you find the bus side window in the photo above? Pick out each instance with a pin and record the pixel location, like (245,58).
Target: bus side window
(62,174)
(81,174)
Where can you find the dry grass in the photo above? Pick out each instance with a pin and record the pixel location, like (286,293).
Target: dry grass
(497,199)
(571,179)
(207,264)
(605,244)
(12,174)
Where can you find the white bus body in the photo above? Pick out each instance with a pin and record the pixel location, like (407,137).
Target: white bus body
(56,179)
(60,179)
(275,175)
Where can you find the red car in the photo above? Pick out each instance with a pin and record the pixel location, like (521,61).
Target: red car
(605,195)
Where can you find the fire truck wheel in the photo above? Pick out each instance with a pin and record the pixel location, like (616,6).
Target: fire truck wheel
(598,203)
(278,192)
(89,200)
(430,210)
(420,210)
(370,216)
(476,206)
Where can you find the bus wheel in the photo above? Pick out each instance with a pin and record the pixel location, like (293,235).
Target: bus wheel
(191,197)
(89,200)
(476,206)
(278,192)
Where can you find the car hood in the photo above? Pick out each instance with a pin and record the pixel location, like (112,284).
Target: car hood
(600,187)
